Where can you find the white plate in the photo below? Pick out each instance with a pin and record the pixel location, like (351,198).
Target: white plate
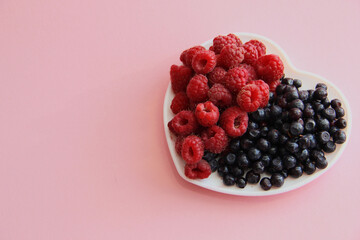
(309,80)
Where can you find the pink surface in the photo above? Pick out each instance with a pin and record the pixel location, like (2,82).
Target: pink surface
(82,149)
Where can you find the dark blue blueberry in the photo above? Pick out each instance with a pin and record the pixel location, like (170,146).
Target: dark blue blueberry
(321,85)
(318,107)
(252,177)
(291,95)
(264,131)
(326,103)
(263,145)
(243,161)
(258,167)
(229,180)
(295,113)
(339,137)
(246,143)
(241,182)
(265,183)
(287,81)
(235,145)
(273,136)
(266,159)
(323,137)
(280,89)
(329,114)
(312,139)
(285,128)
(275,111)
(308,111)
(271,97)
(223,170)
(297,83)
(310,125)
(303,155)
(311,94)
(304,95)
(208,156)
(253,134)
(258,115)
(292,146)
(289,161)
(285,173)
(252,125)
(333,130)
(282,102)
(283,139)
(320,93)
(341,123)
(321,163)
(213,165)
(237,172)
(323,124)
(296,171)
(276,164)
(340,112)
(297,103)
(277,179)
(296,129)
(273,150)
(335,103)
(329,147)
(304,142)
(254,154)
(309,168)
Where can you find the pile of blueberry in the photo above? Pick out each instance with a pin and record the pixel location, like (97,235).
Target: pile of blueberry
(288,137)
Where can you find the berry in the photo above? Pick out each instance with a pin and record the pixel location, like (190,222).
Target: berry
(241,182)
(230,159)
(180,77)
(295,113)
(251,71)
(265,183)
(221,41)
(329,113)
(320,93)
(204,62)
(289,161)
(223,170)
(273,85)
(246,143)
(235,79)
(341,123)
(237,172)
(250,54)
(323,124)
(197,88)
(231,56)
(184,123)
(329,147)
(296,129)
(276,164)
(198,170)
(258,115)
(321,85)
(265,159)
(273,136)
(252,177)
(220,95)
(335,103)
(340,112)
(323,137)
(269,68)
(297,103)
(249,98)
(261,48)
(243,161)
(263,145)
(187,56)
(309,168)
(339,137)
(258,167)
(309,125)
(215,139)
(229,180)
(321,163)
(178,144)
(180,102)
(207,114)
(192,149)
(297,83)
(277,179)
(217,75)
(264,88)
(296,172)
(254,154)
(304,95)
(234,121)
(253,134)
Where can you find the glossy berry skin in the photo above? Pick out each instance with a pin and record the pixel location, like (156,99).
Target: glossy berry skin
(321,85)
(292,146)
(323,137)
(252,177)
(241,182)
(277,179)
(265,183)
(321,163)
(303,155)
(318,107)
(258,167)
(329,147)
(273,136)
(253,134)
(329,114)
(295,113)
(243,161)
(326,103)
(296,129)
(340,112)
(230,159)
(237,172)
(276,164)
(335,103)
(310,125)
(246,143)
(223,171)
(289,161)
(275,111)
(309,168)
(235,145)
(229,180)
(263,145)
(296,172)
(339,137)
(323,124)
(265,159)
(308,111)
(254,154)
(297,83)
(341,123)
(297,103)
(320,93)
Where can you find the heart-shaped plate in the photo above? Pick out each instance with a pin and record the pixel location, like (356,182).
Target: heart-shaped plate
(309,80)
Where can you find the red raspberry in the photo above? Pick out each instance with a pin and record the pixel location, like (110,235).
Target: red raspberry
(220,95)
(178,144)
(231,56)
(234,121)
(211,48)
(217,75)
(192,149)
(215,139)
(180,77)
(180,102)
(198,170)
(170,126)
(221,41)
(261,48)
(187,56)
(249,98)
(197,88)
(251,71)
(269,68)
(264,88)
(184,123)
(207,114)
(273,85)
(204,62)
(251,54)
(235,79)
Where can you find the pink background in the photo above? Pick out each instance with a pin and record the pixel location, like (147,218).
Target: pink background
(82,149)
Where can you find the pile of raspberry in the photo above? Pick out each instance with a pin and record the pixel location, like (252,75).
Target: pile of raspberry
(215,89)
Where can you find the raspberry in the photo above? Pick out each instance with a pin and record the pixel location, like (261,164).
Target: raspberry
(215,139)
(231,56)
(197,88)
(235,79)
(251,71)
(269,68)
(220,95)
(234,121)
(170,126)
(217,75)
(192,149)
(221,41)
(207,114)
(261,48)
(251,54)
(180,77)
(211,48)
(204,62)
(249,98)
(198,170)
(264,88)
(178,144)
(187,56)
(184,123)
(180,102)
(273,85)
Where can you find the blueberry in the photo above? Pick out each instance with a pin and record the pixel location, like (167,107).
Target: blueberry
(296,171)
(276,164)
(223,170)
(246,143)
(310,125)
(329,114)
(252,177)
(304,95)
(208,156)
(230,159)
(287,81)
(237,172)
(311,94)
(318,107)
(292,146)
(278,124)
(323,137)
(252,125)
(320,93)
(321,163)
(312,139)
(321,85)
(303,155)
(280,89)
(264,131)
(325,102)
(253,134)
(271,97)
(263,145)
(267,114)
(277,179)
(265,183)
(275,111)
(241,182)
(282,102)
(213,165)
(282,152)
(243,161)
(272,150)
(258,115)
(297,103)
(285,173)
(296,129)
(289,161)
(285,116)
(308,111)
(229,180)
(291,95)
(339,137)
(297,83)
(235,145)
(333,130)
(309,168)
(323,124)
(304,142)
(265,159)
(254,154)
(340,112)
(285,128)
(335,103)
(329,147)
(273,136)
(341,123)
(283,139)
(295,113)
